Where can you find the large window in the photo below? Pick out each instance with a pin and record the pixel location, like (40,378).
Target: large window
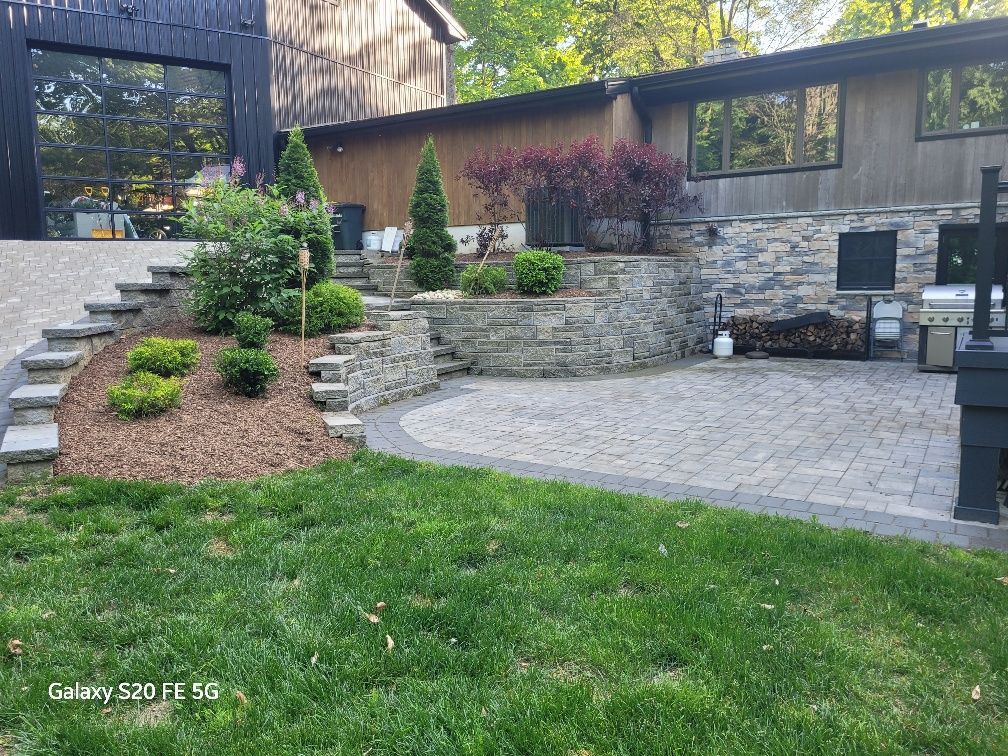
(866,261)
(957,253)
(965,99)
(121,143)
(788,128)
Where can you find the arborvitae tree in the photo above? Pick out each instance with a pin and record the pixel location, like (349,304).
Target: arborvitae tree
(296,171)
(298,183)
(430,246)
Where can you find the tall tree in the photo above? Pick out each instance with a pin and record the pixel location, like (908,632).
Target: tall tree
(865,18)
(430,246)
(516,46)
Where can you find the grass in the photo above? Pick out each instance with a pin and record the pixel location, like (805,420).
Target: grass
(527,617)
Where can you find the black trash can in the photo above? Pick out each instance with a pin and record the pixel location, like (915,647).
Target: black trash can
(349,229)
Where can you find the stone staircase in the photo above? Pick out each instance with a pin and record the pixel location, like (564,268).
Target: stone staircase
(350,269)
(447,363)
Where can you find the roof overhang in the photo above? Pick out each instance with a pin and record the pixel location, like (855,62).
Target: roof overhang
(452,27)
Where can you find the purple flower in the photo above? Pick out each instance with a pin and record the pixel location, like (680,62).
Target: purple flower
(299,198)
(284,210)
(260,183)
(331,208)
(314,204)
(238,167)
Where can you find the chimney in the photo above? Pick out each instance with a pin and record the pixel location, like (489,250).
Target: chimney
(727,49)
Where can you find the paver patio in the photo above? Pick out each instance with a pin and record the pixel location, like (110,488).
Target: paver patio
(868,445)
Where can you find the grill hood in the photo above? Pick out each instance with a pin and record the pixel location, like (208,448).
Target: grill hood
(959,297)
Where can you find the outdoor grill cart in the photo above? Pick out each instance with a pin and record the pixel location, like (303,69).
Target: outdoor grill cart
(982,383)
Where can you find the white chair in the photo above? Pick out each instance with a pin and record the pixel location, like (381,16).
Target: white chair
(887,327)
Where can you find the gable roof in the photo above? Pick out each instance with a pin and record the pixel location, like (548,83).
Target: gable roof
(451,25)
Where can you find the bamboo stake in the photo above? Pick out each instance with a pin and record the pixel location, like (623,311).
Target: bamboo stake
(407,230)
(303,261)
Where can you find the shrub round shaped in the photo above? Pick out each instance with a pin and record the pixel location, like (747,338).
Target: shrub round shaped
(164,357)
(246,371)
(252,331)
(331,307)
(487,280)
(538,271)
(142,393)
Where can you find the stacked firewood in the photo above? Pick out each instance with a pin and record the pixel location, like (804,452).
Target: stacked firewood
(835,334)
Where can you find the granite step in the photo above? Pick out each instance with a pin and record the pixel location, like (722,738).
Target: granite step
(145,291)
(330,363)
(453,369)
(89,338)
(119,314)
(29,451)
(344,425)
(442,352)
(53,367)
(35,403)
(173,273)
(354,281)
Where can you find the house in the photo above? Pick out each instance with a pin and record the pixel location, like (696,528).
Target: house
(829,174)
(111,107)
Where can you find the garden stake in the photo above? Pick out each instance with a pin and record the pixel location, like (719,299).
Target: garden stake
(407,231)
(303,267)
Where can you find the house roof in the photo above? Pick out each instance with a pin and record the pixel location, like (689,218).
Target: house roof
(454,29)
(909,49)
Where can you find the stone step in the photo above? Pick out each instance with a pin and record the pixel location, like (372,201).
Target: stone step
(348,271)
(145,291)
(453,369)
(35,403)
(89,338)
(330,363)
(53,367)
(175,274)
(322,392)
(344,425)
(29,451)
(356,282)
(442,350)
(119,314)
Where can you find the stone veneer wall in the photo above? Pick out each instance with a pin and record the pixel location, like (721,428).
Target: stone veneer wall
(647,313)
(786,264)
(390,364)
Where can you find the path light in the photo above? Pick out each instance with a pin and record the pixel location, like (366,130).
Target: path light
(303,259)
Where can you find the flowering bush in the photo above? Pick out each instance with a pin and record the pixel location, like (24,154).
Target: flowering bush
(491,175)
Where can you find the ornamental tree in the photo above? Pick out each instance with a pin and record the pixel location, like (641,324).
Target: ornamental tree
(298,183)
(296,171)
(430,247)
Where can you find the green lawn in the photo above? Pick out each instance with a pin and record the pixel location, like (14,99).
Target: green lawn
(527,617)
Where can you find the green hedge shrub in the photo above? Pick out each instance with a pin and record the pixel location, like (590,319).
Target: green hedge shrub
(329,308)
(538,271)
(164,357)
(246,371)
(252,331)
(486,280)
(430,247)
(142,393)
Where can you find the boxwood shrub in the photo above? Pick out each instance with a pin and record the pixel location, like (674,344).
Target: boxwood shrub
(142,393)
(487,280)
(164,357)
(538,271)
(330,308)
(246,371)
(252,331)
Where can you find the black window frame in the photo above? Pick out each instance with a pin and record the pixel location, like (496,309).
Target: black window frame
(947,229)
(843,287)
(173,184)
(954,131)
(800,165)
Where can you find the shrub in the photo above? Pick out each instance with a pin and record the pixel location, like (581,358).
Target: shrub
(296,171)
(430,246)
(252,331)
(142,393)
(330,307)
(246,371)
(538,271)
(486,280)
(164,357)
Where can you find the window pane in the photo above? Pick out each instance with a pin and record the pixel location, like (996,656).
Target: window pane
(764,128)
(708,135)
(71,161)
(139,165)
(138,226)
(136,103)
(144,197)
(867,261)
(199,139)
(196,80)
(79,225)
(71,130)
(822,118)
(198,109)
(71,98)
(62,65)
(81,195)
(939,100)
(134,73)
(138,135)
(983,96)
(188,169)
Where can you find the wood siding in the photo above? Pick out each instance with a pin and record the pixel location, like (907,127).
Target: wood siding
(343,60)
(378,169)
(883,165)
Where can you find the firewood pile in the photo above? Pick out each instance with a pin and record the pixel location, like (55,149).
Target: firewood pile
(835,334)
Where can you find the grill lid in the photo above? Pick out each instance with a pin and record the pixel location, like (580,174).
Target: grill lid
(958,297)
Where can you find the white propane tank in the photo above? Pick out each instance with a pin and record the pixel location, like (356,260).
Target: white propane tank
(723,345)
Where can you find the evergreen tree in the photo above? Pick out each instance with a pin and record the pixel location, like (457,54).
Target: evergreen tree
(430,246)
(298,183)
(296,171)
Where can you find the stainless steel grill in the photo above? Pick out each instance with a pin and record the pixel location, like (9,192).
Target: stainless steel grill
(946,316)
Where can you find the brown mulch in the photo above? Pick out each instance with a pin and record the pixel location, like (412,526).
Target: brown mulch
(560,294)
(214,434)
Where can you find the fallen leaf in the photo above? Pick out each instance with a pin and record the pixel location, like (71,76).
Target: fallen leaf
(373,618)
(682,524)
(242,699)
(48,615)
(379,606)
(389,643)
(776,581)
(1003,580)
(15,647)
(483,711)
(107,710)
(662,550)
(767,647)
(767,606)
(975,695)
(314,659)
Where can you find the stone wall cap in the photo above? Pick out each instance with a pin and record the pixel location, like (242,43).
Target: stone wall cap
(144,286)
(37,395)
(357,337)
(51,360)
(77,330)
(169,268)
(30,443)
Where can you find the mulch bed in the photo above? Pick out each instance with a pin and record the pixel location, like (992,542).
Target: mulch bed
(214,434)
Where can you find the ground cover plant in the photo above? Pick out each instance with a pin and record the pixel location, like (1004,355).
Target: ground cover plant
(164,357)
(142,393)
(380,605)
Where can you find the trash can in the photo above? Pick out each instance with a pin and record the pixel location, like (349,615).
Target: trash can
(348,231)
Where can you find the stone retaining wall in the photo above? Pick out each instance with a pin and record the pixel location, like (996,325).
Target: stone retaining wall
(647,313)
(382,275)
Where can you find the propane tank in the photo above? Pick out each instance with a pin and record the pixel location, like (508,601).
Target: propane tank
(723,344)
